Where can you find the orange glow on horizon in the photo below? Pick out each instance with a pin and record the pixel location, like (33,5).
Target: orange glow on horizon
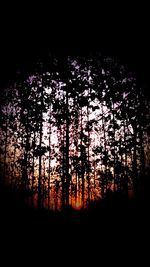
(78,205)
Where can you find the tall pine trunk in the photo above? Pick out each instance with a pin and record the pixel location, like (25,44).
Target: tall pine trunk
(5,150)
(67,150)
(63,168)
(88,174)
(40,152)
(104,182)
(125,183)
(134,166)
(49,161)
(114,148)
(82,159)
(142,155)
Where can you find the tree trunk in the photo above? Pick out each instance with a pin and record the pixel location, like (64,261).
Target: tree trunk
(67,150)
(40,155)
(82,160)
(63,169)
(135,184)
(49,162)
(114,149)
(5,152)
(88,161)
(142,155)
(125,183)
(104,178)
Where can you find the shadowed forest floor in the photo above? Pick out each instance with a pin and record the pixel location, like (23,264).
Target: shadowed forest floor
(115,217)
(114,225)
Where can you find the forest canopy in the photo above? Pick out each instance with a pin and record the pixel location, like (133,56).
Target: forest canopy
(75,129)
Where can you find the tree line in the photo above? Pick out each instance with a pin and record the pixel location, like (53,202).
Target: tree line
(76,128)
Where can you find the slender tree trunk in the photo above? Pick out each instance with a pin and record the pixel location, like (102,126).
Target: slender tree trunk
(27,155)
(67,150)
(40,155)
(135,160)
(63,169)
(105,171)
(24,164)
(76,149)
(43,182)
(125,184)
(94,175)
(5,151)
(114,149)
(76,169)
(33,177)
(49,162)
(13,176)
(88,174)
(33,164)
(142,155)
(82,160)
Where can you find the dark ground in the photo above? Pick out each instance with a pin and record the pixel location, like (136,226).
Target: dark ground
(115,227)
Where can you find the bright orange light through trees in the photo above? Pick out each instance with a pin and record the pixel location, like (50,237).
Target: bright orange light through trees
(78,205)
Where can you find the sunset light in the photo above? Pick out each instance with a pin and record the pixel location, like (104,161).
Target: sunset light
(73,133)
